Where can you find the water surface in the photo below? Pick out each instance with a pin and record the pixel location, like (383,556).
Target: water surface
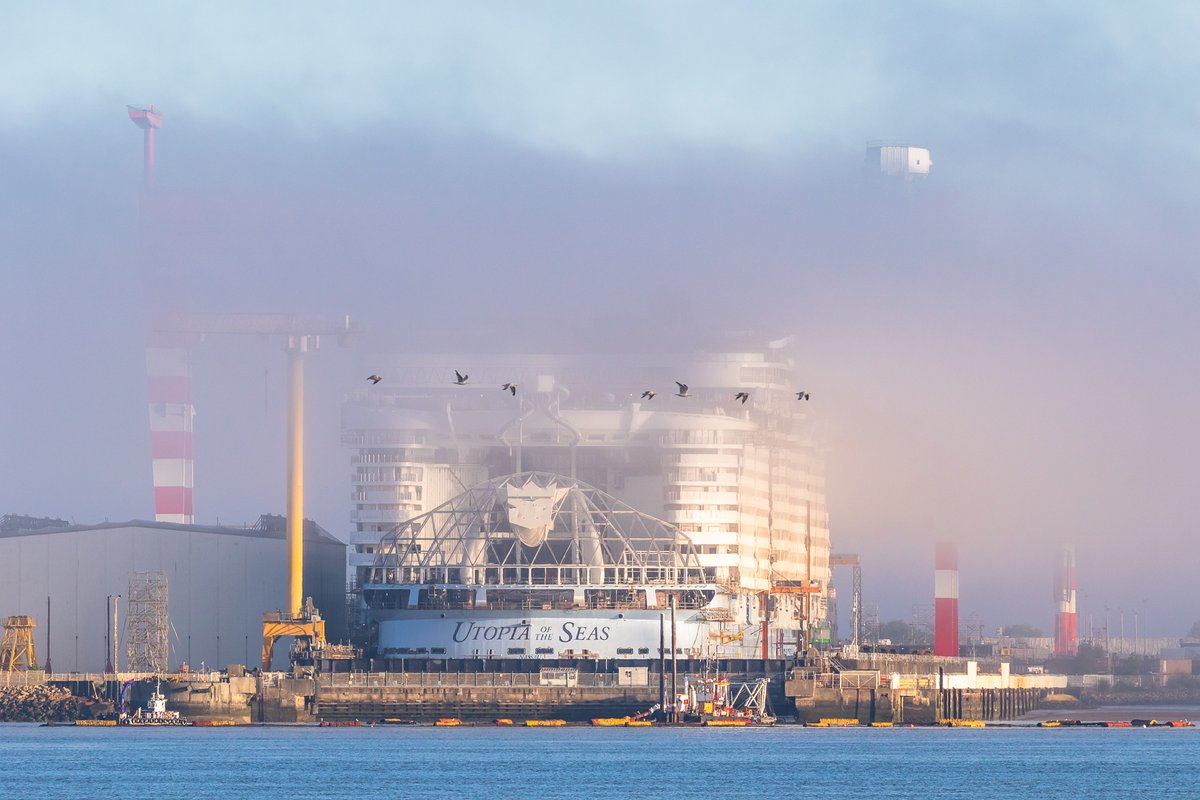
(597,763)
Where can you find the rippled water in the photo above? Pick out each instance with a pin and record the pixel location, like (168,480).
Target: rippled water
(233,763)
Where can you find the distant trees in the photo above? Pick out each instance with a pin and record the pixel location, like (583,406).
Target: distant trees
(900,632)
(1089,659)
(1194,631)
(897,631)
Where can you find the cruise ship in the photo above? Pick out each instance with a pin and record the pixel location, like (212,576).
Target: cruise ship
(569,517)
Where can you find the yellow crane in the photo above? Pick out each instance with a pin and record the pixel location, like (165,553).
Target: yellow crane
(298,618)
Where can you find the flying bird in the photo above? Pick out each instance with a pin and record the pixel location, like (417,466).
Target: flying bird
(460,379)
(682,389)
(648,395)
(743,396)
(512,387)
(374,378)
(801,395)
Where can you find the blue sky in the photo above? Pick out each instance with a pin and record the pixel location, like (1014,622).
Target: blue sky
(611,79)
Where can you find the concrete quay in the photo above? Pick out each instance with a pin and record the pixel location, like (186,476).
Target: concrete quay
(911,689)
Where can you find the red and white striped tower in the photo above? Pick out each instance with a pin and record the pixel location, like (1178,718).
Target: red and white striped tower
(168,366)
(1065,641)
(945,600)
(169,379)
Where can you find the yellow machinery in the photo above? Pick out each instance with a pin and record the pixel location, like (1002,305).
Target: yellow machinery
(724,637)
(307,628)
(17,650)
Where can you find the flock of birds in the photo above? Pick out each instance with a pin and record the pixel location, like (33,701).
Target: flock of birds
(461,380)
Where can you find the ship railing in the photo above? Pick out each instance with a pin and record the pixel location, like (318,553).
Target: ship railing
(460,680)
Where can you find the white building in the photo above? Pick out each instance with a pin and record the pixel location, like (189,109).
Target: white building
(744,481)
(900,162)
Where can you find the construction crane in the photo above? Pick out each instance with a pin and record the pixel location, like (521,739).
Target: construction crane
(851,560)
(298,618)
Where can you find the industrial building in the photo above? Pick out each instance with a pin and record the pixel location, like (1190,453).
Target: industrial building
(219,581)
(743,482)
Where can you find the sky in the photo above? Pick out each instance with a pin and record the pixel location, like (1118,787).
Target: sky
(1005,356)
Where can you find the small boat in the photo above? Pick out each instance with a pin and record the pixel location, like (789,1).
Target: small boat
(154,713)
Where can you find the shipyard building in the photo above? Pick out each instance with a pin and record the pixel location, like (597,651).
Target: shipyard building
(218,582)
(740,486)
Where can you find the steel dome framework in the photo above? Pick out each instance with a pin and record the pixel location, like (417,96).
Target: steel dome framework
(536,529)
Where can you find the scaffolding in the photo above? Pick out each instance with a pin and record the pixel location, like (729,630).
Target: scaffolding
(856,609)
(17,650)
(147,624)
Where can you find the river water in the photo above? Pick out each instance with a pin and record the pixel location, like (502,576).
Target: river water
(595,763)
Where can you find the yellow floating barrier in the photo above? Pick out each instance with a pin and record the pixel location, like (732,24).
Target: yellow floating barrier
(502,721)
(96,723)
(966,723)
(638,723)
(881,724)
(545,723)
(610,722)
(837,722)
(1050,723)
(448,722)
(726,723)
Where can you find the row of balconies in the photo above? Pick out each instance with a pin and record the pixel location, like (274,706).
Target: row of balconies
(719,496)
(389,516)
(378,479)
(703,517)
(392,494)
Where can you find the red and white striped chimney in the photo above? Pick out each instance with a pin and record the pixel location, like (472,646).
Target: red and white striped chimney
(945,600)
(1065,641)
(169,377)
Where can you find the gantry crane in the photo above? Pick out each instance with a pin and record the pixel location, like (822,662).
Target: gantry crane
(298,618)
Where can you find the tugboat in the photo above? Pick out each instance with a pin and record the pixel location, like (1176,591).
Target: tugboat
(154,713)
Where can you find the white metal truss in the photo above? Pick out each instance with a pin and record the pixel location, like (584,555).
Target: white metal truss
(536,529)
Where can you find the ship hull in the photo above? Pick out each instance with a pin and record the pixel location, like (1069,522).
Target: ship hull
(624,634)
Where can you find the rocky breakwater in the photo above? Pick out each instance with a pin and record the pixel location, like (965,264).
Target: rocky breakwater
(47,704)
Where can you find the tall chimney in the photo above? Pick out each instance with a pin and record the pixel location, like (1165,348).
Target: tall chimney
(945,600)
(1065,642)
